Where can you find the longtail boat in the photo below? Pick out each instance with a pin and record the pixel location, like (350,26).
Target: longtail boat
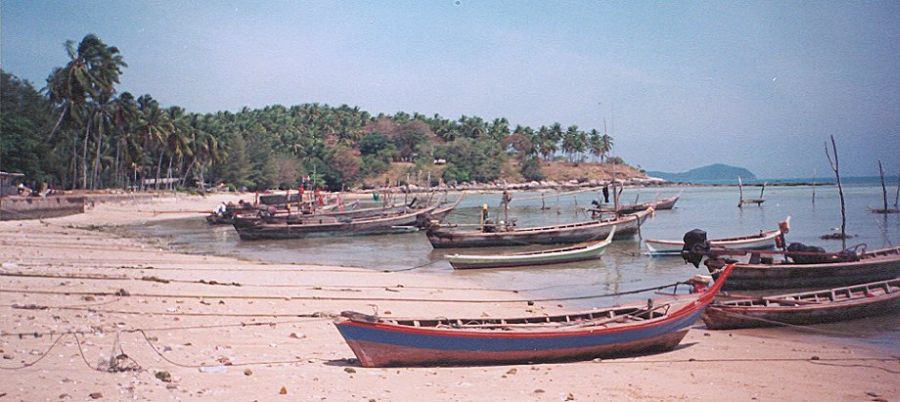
(570,233)
(254,229)
(842,269)
(579,252)
(837,304)
(657,205)
(440,213)
(761,241)
(610,332)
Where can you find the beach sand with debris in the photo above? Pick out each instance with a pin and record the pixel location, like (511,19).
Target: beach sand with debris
(195,327)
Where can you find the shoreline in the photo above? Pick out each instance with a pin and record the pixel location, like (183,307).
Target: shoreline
(280,313)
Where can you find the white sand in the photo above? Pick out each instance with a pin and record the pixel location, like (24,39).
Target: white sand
(60,255)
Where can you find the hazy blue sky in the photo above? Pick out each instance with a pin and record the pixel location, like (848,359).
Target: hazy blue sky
(755,84)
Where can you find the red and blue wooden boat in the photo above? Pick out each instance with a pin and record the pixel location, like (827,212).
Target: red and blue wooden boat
(611,332)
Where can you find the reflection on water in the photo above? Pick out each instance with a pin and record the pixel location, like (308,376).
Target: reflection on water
(622,268)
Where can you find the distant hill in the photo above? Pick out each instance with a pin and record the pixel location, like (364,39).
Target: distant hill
(716,171)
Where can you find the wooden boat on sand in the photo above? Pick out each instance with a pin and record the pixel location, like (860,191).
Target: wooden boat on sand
(836,270)
(829,305)
(610,332)
(579,252)
(761,241)
(627,226)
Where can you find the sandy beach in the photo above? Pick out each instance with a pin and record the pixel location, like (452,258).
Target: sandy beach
(264,331)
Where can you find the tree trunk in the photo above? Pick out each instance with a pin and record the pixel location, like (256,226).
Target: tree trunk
(96,176)
(87,132)
(169,172)
(58,122)
(158,168)
(188,171)
(74,178)
(117,179)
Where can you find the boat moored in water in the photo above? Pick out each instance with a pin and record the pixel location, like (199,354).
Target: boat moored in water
(578,252)
(570,233)
(829,305)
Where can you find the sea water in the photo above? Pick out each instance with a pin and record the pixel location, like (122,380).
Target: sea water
(624,267)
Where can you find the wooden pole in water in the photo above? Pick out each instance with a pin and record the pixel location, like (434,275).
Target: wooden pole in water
(897,196)
(763,190)
(814,187)
(835,166)
(615,197)
(883,188)
(741,190)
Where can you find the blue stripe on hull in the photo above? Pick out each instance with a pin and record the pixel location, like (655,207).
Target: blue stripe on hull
(463,342)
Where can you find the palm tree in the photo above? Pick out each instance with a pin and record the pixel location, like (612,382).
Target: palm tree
(177,143)
(606,146)
(546,143)
(126,116)
(155,127)
(499,129)
(90,75)
(594,143)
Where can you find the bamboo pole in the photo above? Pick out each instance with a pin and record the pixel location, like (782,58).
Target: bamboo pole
(814,187)
(897,196)
(835,166)
(883,188)
(741,190)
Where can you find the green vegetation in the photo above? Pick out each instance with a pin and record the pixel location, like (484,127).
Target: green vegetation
(80,133)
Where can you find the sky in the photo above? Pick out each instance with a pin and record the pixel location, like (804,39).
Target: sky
(678,85)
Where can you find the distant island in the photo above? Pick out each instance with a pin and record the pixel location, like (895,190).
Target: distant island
(714,172)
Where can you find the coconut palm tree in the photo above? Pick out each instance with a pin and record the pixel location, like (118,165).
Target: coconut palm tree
(91,74)
(606,145)
(155,126)
(594,143)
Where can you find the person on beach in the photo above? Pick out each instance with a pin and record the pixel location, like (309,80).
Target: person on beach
(221,208)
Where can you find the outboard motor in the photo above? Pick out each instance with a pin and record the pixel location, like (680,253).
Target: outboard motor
(423,221)
(806,259)
(695,247)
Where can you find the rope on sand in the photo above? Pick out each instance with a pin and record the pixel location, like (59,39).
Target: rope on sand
(334,298)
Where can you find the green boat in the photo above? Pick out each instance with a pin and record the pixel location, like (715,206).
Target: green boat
(578,252)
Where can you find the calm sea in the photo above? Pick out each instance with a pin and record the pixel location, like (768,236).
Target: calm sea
(623,267)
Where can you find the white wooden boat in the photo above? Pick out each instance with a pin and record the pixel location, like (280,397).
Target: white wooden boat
(579,252)
(761,241)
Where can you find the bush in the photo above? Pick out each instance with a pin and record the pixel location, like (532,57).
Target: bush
(531,169)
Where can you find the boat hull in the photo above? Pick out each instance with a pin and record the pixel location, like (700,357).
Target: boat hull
(379,354)
(380,343)
(734,317)
(544,257)
(867,300)
(673,247)
(256,230)
(381,346)
(561,234)
(472,262)
(880,265)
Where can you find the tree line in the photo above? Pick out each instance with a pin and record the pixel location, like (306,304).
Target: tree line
(79,132)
